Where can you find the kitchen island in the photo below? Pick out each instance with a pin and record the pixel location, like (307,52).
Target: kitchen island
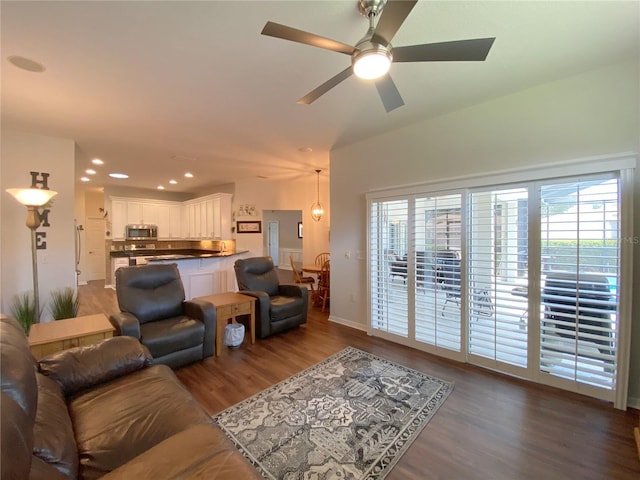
(202,272)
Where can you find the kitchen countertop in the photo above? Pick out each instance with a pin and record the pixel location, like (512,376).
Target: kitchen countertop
(173,254)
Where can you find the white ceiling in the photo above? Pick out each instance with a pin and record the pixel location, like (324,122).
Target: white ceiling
(159,88)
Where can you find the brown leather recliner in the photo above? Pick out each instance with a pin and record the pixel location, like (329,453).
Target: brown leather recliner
(278,307)
(153,310)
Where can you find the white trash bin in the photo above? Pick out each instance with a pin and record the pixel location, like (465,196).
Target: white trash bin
(233,335)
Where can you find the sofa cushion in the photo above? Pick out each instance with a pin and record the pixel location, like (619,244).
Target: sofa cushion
(16,439)
(17,366)
(83,367)
(202,451)
(53,439)
(117,421)
(18,400)
(171,335)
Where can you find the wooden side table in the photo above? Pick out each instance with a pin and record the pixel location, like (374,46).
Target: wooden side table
(228,306)
(51,337)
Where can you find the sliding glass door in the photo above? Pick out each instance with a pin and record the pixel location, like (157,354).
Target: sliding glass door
(436,274)
(498,278)
(389,295)
(520,278)
(579,241)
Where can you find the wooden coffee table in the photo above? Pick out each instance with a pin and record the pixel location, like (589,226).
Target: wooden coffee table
(50,337)
(228,306)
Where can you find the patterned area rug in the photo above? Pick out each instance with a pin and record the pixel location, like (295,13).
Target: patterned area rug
(351,416)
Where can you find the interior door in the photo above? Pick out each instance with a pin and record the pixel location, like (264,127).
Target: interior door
(274,242)
(94,251)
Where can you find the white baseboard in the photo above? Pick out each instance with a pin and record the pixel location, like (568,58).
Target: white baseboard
(348,323)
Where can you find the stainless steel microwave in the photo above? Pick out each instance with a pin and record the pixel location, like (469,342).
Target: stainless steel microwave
(141,232)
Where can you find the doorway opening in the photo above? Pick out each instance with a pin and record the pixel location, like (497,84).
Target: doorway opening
(282,240)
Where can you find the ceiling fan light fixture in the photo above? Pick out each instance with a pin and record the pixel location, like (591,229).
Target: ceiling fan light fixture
(372,63)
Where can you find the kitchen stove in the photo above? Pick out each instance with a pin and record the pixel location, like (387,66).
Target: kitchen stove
(140,246)
(140,259)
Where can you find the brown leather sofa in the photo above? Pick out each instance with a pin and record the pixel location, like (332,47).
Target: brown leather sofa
(104,411)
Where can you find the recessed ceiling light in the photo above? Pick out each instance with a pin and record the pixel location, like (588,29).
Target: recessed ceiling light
(97,161)
(90,171)
(173,182)
(119,175)
(27,64)
(188,175)
(84,179)
(160,187)
(305,149)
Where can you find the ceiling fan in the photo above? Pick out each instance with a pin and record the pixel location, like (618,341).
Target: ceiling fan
(372,56)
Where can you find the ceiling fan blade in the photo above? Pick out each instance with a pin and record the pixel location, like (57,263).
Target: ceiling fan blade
(276,30)
(391,18)
(457,51)
(389,94)
(326,86)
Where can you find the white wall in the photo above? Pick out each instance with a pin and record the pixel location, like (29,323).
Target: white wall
(22,153)
(285,195)
(595,113)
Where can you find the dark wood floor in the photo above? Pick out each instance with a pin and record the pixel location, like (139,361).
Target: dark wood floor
(491,426)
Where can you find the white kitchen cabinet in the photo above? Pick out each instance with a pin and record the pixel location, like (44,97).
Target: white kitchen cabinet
(134,213)
(192,221)
(142,213)
(169,221)
(150,213)
(222,216)
(210,217)
(216,225)
(117,263)
(175,224)
(197,221)
(185,221)
(118,219)
(205,218)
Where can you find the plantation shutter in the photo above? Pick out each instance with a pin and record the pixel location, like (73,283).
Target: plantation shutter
(437,274)
(497,278)
(521,274)
(387,255)
(580,235)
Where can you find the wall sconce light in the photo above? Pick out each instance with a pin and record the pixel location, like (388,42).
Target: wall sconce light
(317,210)
(33,199)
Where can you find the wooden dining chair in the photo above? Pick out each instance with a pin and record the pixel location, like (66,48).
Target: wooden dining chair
(302,280)
(321,258)
(324,281)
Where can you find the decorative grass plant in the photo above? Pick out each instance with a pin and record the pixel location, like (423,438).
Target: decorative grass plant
(23,308)
(64,303)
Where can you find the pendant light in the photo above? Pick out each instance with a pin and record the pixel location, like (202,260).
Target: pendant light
(317,210)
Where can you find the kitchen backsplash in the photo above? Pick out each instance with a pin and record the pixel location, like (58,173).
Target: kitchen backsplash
(217,245)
